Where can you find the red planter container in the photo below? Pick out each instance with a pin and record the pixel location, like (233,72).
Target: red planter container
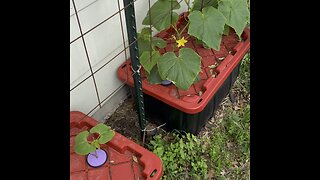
(189,110)
(126,159)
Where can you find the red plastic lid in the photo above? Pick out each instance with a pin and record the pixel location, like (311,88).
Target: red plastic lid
(126,159)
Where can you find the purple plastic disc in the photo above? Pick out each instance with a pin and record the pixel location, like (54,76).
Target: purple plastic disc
(97,158)
(166,82)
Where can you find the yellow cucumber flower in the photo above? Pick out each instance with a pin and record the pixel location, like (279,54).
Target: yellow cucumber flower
(181,42)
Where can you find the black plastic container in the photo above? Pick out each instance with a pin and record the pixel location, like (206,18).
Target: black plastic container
(160,112)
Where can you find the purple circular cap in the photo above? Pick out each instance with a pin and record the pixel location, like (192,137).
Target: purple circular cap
(166,82)
(97,158)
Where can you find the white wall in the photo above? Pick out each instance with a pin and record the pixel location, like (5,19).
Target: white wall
(102,43)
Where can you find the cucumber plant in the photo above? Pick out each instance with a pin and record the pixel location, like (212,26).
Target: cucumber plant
(207,22)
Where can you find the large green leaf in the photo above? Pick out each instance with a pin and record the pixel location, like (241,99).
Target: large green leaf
(206,3)
(144,44)
(144,41)
(207,26)
(105,132)
(197,79)
(158,42)
(160,14)
(82,145)
(154,77)
(226,30)
(181,70)
(236,13)
(148,60)
(145,33)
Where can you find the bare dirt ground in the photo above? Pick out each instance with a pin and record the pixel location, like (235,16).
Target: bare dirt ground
(125,120)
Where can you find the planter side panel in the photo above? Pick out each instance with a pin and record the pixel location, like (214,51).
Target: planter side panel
(161,112)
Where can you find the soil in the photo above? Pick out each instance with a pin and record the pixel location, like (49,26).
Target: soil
(126,122)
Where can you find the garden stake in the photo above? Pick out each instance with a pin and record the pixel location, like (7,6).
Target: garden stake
(134,54)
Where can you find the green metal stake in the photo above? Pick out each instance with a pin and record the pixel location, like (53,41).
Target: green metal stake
(134,54)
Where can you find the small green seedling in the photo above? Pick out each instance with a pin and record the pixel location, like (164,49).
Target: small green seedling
(83,146)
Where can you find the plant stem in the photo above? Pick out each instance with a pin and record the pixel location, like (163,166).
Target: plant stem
(99,136)
(185,27)
(177,32)
(95,154)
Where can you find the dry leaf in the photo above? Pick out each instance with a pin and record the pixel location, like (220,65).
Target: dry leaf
(223,172)
(200,93)
(135,159)
(234,163)
(236,108)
